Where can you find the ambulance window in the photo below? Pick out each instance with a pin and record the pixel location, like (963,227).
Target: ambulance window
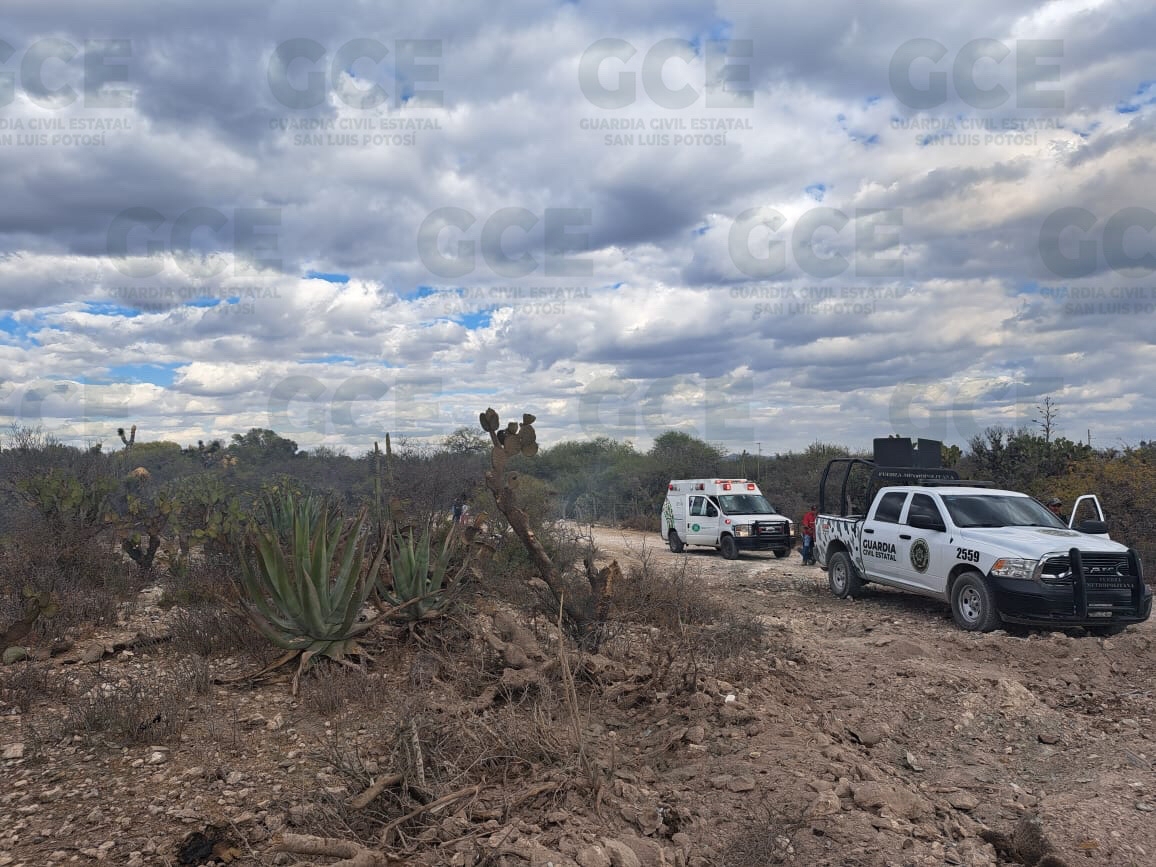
(696,506)
(711,510)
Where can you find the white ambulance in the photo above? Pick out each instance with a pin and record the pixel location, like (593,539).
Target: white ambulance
(730,515)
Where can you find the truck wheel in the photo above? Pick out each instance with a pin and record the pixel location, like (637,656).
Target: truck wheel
(973,605)
(675,543)
(730,550)
(780,553)
(841,576)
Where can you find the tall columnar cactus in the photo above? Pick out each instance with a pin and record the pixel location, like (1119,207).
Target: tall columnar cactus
(306,584)
(127,440)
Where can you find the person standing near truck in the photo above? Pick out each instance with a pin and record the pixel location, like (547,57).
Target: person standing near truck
(809,536)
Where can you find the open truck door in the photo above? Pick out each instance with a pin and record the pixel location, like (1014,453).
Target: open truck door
(1088,517)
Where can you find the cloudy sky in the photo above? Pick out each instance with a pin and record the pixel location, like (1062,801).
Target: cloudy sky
(762,224)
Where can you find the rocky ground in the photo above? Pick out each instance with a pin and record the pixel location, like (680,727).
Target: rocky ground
(871,732)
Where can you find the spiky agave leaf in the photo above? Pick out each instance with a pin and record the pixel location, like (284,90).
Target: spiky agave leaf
(422,583)
(302,577)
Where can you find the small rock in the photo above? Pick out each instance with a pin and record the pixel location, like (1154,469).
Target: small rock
(695,735)
(13,751)
(912,762)
(740,784)
(1048,738)
(592,856)
(1144,807)
(620,854)
(825,805)
(157,758)
(963,801)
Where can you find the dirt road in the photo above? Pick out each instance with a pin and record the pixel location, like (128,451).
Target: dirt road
(893,718)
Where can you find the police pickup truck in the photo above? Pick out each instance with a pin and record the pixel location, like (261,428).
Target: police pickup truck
(993,555)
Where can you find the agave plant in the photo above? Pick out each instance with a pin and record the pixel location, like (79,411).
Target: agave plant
(304,579)
(424,574)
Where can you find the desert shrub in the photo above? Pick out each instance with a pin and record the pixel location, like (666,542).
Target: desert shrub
(208,577)
(132,711)
(87,585)
(664,596)
(24,683)
(327,689)
(206,630)
(768,839)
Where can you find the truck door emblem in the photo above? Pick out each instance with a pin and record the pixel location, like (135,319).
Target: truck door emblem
(920,555)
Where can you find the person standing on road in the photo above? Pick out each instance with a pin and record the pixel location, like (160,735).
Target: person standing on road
(809,537)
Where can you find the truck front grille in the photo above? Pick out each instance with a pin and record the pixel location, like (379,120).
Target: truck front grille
(1102,571)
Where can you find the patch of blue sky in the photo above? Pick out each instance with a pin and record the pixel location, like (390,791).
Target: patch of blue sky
(103,308)
(327,276)
(1144,95)
(328,359)
(160,374)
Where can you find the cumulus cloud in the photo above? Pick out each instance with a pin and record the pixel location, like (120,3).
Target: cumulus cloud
(759,229)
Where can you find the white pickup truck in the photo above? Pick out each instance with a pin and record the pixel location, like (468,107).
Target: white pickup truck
(993,555)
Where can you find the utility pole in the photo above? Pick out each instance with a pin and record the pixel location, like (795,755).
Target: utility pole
(759,466)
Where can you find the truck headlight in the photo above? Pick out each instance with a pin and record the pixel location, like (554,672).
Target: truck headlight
(1014,567)
(742,529)
(791,528)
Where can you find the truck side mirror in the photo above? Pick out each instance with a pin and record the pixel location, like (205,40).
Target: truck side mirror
(926,522)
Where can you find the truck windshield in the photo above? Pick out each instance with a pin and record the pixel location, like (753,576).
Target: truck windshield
(745,504)
(986,510)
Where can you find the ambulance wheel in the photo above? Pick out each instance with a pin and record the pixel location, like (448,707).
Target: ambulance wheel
(780,553)
(841,576)
(729,548)
(674,542)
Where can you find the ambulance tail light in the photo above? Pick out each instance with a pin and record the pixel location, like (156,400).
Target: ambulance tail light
(750,486)
(726,486)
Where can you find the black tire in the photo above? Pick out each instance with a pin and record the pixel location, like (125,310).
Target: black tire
(674,542)
(780,553)
(973,604)
(841,576)
(729,548)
